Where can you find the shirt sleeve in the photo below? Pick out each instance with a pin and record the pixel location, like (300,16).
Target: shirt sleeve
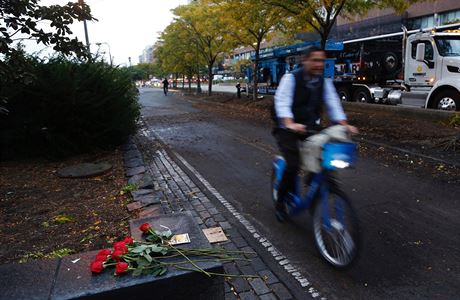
(332,101)
(284,97)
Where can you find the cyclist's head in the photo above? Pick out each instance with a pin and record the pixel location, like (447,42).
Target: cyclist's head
(313,60)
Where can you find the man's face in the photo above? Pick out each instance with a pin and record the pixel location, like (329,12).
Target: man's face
(314,64)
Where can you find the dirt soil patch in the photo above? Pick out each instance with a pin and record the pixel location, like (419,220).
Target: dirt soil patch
(44,216)
(381,132)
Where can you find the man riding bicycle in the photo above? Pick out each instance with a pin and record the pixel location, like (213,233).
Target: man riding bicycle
(299,100)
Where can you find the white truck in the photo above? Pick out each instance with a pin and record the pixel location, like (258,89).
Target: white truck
(418,67)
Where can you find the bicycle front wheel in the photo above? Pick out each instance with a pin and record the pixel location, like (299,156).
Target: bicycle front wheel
(336,229)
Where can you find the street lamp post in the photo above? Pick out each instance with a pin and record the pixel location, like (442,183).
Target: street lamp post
(110,53)
(81,2)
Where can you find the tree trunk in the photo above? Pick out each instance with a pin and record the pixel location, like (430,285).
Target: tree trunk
(183,81)
(190,82)
(210,76)
(198,82)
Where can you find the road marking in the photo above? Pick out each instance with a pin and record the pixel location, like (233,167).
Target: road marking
(278,256)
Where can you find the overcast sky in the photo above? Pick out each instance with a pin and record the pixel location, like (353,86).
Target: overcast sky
(128,26)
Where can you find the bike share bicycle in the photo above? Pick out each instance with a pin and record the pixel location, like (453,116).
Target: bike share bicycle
(335,226)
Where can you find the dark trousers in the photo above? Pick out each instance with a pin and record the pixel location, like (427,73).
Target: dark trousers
(288,143)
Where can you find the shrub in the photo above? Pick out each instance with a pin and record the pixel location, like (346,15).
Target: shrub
(63,107)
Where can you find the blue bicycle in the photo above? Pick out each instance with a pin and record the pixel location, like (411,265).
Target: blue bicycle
(335,226)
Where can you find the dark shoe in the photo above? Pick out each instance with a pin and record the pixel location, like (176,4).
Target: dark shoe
(281,216)
(280,212)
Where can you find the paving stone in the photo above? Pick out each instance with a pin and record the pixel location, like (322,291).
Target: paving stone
(150,211)
(259,286)
(149,199)
(210,222)
(230,246)
(231,269)
(134,162)
(135,171)
(134,205)
(140,192)
(200,207)
(198,220)
(204,215)
(248,296)
(230,296)
(208,205)
(247,270)
(228,287)
(213,211)
(258,264)
(239,241)
(242,263)
(268,277)
(280,291)
(270,296)
(239,284)
(144,181)
(219,218)
(132,154)
(250,252)
(225,225)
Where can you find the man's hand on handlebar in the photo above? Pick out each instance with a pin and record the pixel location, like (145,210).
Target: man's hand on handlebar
(296,127)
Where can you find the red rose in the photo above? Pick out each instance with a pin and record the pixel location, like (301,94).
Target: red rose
(120,246)
(97,266)
(128,240)
(101,257)
(116,255)
(104,252)
(121,267)
(145,227)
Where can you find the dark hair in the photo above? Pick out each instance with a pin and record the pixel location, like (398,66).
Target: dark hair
(307,53)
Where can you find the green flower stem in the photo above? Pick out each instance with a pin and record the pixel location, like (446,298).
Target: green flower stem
(198,268)
(220,274)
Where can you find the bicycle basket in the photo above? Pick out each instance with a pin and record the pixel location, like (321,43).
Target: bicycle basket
(338,155)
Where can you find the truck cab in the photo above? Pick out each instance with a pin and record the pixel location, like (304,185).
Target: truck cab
(432,65)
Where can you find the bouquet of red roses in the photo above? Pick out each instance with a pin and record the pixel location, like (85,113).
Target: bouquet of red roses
(151,256)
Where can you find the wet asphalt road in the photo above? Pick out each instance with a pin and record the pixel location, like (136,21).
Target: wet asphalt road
(411,225)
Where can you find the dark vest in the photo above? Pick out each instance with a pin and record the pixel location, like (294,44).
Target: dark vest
(308,100)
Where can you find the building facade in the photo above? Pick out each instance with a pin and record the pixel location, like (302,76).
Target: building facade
(147,55)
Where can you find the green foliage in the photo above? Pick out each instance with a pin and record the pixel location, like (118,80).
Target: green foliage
(21,20)
(320,15)
(454,121)
(61,219)
(40,255)
(63,107)
(129,188)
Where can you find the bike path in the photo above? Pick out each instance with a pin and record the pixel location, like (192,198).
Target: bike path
(410,224)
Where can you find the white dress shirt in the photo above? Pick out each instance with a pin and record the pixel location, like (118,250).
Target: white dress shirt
(284,99)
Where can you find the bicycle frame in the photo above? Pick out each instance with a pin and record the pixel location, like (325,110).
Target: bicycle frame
(320,182)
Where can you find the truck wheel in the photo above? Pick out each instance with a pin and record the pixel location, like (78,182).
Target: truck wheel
(447,100)
(344,94)
(390,62)
(362,95)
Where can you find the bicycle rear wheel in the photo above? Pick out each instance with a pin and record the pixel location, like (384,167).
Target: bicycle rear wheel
(336,229)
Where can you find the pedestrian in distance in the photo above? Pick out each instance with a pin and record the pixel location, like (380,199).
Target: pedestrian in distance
(165,86)
(238,90)
(299,101)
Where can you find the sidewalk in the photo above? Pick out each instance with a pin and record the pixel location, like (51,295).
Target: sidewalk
(165,188)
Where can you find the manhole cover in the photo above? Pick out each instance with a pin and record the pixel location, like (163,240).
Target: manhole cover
(84,170)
